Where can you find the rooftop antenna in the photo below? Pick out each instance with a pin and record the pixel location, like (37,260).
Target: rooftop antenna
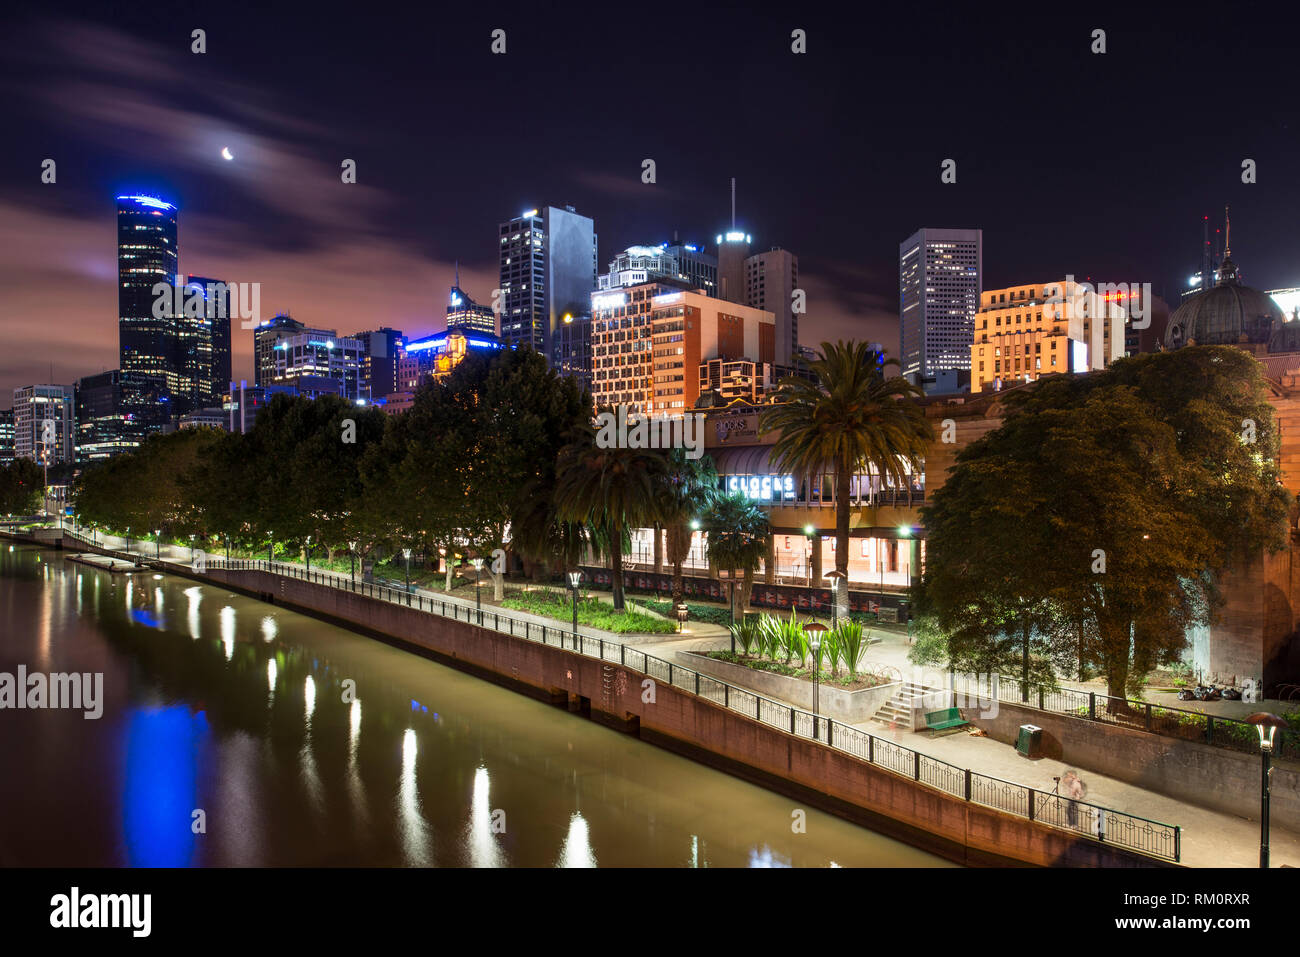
(1227,233)
(457,273)
(733,204)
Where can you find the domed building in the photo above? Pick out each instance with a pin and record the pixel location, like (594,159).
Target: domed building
(1232,314)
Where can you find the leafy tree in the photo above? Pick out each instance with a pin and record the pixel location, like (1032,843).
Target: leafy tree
(22,487)
(738,536)
(853,417)
(1096,518)
(612,489)
(689,488)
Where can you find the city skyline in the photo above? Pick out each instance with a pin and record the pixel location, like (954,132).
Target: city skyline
(381,252)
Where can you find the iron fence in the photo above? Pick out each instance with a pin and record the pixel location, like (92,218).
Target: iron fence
(1230,733)
(1130,831)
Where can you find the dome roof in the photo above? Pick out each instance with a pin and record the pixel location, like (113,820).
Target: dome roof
(1228,314)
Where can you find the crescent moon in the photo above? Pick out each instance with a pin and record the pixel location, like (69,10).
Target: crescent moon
(226,154)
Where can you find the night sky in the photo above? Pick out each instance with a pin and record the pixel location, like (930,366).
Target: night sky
(1071,162)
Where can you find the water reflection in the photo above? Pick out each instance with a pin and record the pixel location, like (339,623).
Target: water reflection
(426,771)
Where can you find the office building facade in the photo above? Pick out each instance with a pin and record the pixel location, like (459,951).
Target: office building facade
(548,271)
(1025,332)
(6,437)
(940,272)
(151,347)
(101,426)
(49,444)
(770,281)
(649,342)
(465,314)
(379,363)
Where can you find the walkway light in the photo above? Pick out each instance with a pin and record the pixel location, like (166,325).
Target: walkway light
(814,630)
(575,578)
(478,582)
(1267,724)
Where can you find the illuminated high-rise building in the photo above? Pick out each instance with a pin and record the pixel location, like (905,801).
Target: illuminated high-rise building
(548,271)
(465,314)
(939,276)
(100,425)
(149,340)
(49,444)
(210,355)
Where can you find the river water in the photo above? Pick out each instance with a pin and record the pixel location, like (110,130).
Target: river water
(230,735)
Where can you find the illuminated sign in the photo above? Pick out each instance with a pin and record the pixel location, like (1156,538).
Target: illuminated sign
(762,487)
(610,300)
(667,299)
(148,201)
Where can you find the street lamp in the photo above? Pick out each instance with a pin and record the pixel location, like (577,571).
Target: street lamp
(307,551)
(905,531)
(815,630)
(157,543)
(191,549)
(128,539)
(407,552)
(477,562)
(1267,724)
(808,531)
(838,580)
(227,538)
(682,611)
(270,546)
(352,557)
(575,577)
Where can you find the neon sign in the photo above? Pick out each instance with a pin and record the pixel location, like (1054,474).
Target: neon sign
(762,487)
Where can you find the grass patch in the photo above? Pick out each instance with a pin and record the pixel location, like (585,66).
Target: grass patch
(591,612)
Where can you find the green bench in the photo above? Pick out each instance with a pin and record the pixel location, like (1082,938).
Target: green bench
(941,720)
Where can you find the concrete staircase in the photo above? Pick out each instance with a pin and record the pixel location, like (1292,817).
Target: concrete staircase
(897,711)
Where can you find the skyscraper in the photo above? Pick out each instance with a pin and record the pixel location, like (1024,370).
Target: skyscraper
(939,276)
(34,407)
(379,364)
(770,281)
(211,357)
(465,314)
(548,270)
(6,437)
(99,423)
(149,344)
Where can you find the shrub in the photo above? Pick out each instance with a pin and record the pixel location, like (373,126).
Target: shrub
(849,637)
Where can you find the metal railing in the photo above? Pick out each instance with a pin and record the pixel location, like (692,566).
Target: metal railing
(1130,831)
(1230,733)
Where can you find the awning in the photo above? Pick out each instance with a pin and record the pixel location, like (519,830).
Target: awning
(743,460)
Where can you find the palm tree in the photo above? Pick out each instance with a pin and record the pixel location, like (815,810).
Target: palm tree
(688,487)
(854,417)
(611,489)
(738,533)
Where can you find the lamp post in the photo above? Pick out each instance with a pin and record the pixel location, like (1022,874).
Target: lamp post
(270,546)
(477,562)
(191,549)
(352,558)
(814,630)
(838,580)
(307,552)
(575,577)
(1267,724)
(808,531)
(128,539)
(227,538)
(682,611)
(157,543)
(905,531)
(407,553)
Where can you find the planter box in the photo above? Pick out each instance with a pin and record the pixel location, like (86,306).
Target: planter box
(847,706)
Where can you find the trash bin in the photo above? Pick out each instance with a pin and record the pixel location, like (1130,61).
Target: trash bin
(1030,740)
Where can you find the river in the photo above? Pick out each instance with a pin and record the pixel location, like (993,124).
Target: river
(237,733)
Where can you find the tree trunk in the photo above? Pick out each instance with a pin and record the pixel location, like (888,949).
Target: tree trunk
(447,586)
(842,522)
(1114,631)
(498,585)
(1024,662)
(746,589)
(616,565)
